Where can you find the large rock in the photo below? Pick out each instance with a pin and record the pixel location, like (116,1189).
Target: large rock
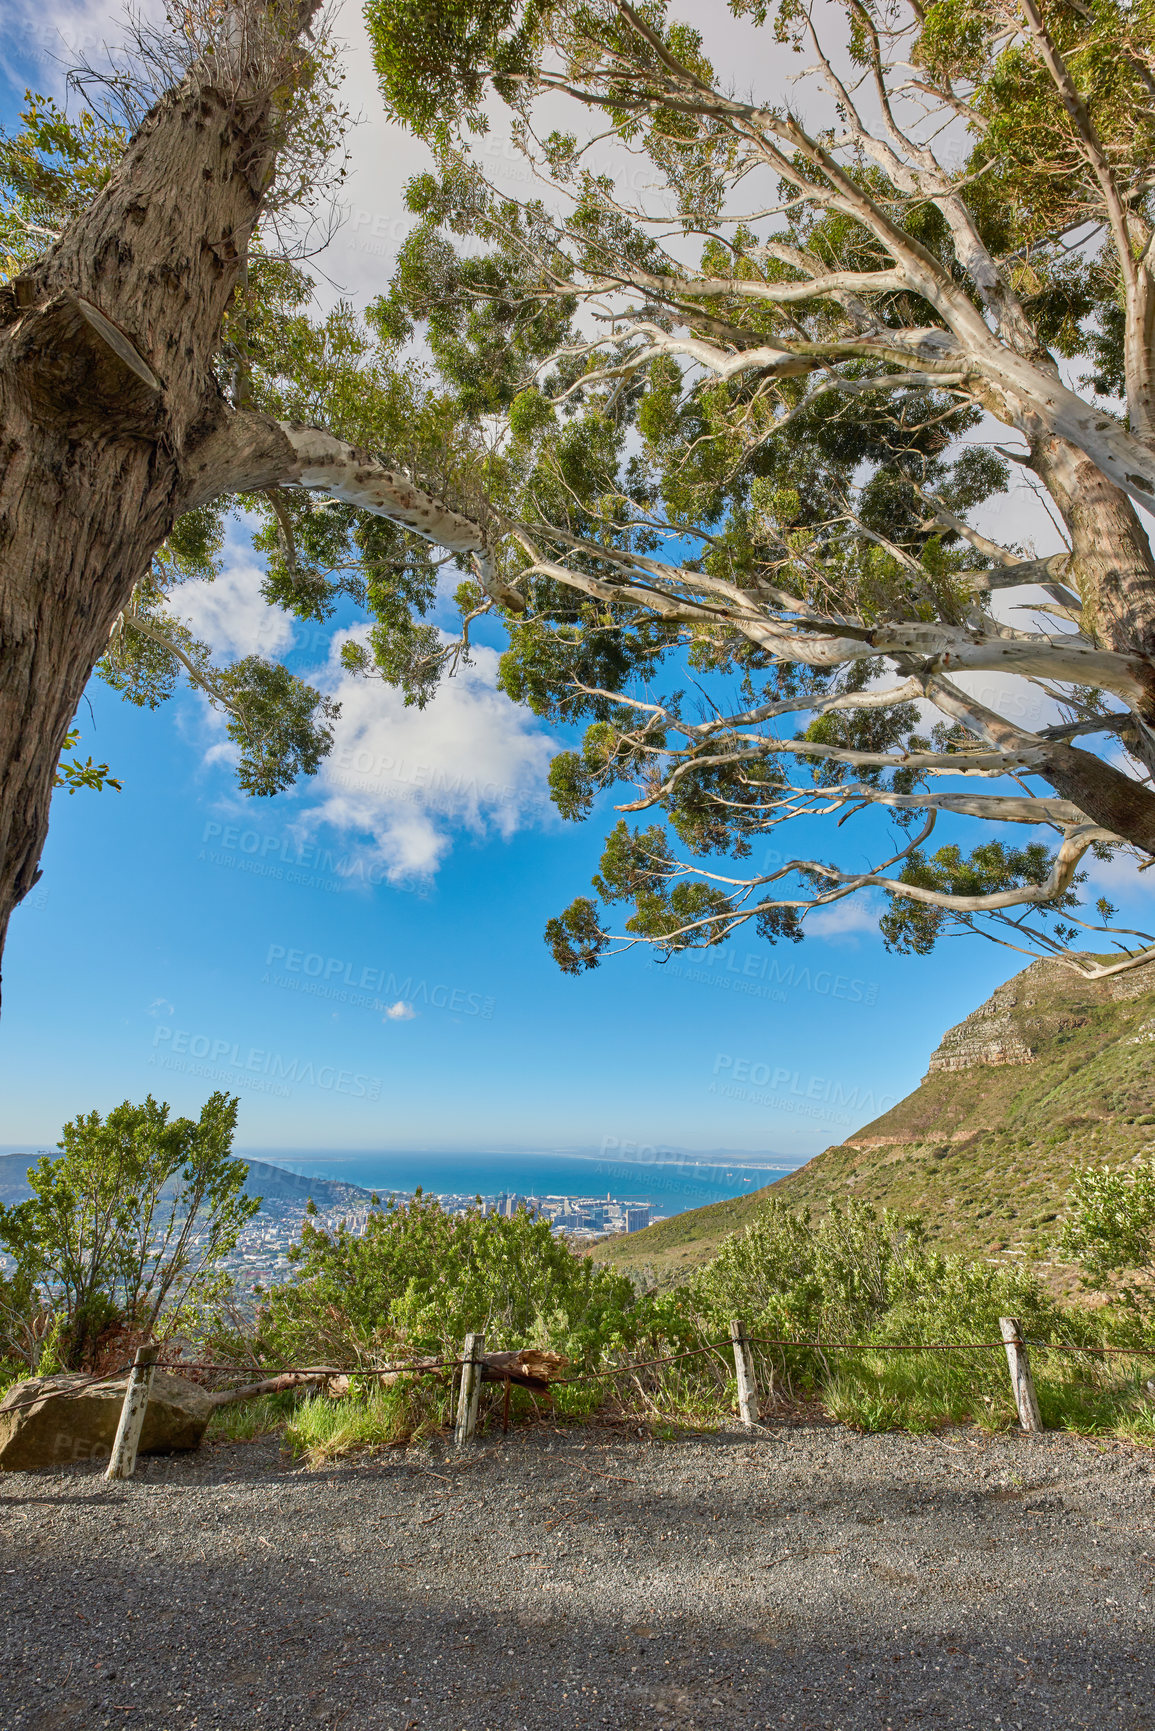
(47,1421)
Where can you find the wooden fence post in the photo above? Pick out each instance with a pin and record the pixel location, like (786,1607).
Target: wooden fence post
(1022,1382)
(744,1371)
(470,1387)
(122,1461)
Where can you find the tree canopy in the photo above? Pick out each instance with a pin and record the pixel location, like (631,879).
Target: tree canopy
(742,490)
(709,424)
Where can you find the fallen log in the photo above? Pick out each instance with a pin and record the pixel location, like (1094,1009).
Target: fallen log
(527,1368)
(45,1421)
(272,1385)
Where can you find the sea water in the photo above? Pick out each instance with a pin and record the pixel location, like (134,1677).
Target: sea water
(669,1182)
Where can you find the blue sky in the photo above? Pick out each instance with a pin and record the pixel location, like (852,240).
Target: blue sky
(361,960)
(184,937)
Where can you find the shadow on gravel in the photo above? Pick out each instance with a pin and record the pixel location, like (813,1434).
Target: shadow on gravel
(802,1593)
(212,1647)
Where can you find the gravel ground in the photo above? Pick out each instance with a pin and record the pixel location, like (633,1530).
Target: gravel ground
(809,1577)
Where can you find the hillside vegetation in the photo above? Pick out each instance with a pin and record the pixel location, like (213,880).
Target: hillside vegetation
(1050,1073)
(126,1234)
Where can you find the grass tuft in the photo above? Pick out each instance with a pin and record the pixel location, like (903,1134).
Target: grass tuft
(887,1391)
(245,1420)
(323,1430)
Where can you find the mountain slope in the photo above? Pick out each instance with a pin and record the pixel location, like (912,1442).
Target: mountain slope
(273,1184)
(1052,1072)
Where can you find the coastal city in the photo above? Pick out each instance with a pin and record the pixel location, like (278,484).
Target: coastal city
(261,1256)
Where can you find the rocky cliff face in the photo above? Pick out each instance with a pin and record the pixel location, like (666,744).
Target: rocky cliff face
(1027,1012)
(989,1035)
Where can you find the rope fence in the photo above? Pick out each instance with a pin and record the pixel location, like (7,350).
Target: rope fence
(648,1363)
(475,1366)
(421,1366)
(883,1346)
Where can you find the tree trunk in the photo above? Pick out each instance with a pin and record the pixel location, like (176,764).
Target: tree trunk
(1110,798)
(110,415)
(1112,565)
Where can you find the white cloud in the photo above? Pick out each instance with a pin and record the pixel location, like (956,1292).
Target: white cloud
(401,781)
(51,36)
(1118,876)
(231,615)
(844,921)
(400,1012)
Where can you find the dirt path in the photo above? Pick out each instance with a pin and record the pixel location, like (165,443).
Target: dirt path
(810,1578)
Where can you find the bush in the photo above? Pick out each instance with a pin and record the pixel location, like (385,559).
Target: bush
(124,1233)
(867,1278)
(1109,1231)
(859,1275)
(418,1280)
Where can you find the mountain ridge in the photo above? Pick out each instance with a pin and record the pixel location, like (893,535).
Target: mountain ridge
(1051,1072)
(272,1183)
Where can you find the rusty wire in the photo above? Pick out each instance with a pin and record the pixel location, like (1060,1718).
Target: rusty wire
(594,1375)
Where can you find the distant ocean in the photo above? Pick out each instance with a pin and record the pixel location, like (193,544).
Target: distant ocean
(670,1185)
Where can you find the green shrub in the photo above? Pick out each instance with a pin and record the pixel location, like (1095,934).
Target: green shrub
(11,1370)
(419,1279)
(860,1275)
(1109,1231)
(863,1278)
(125,1231)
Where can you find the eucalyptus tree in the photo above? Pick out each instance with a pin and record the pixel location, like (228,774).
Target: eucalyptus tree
(153,344)
(840,311)
(728,432)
